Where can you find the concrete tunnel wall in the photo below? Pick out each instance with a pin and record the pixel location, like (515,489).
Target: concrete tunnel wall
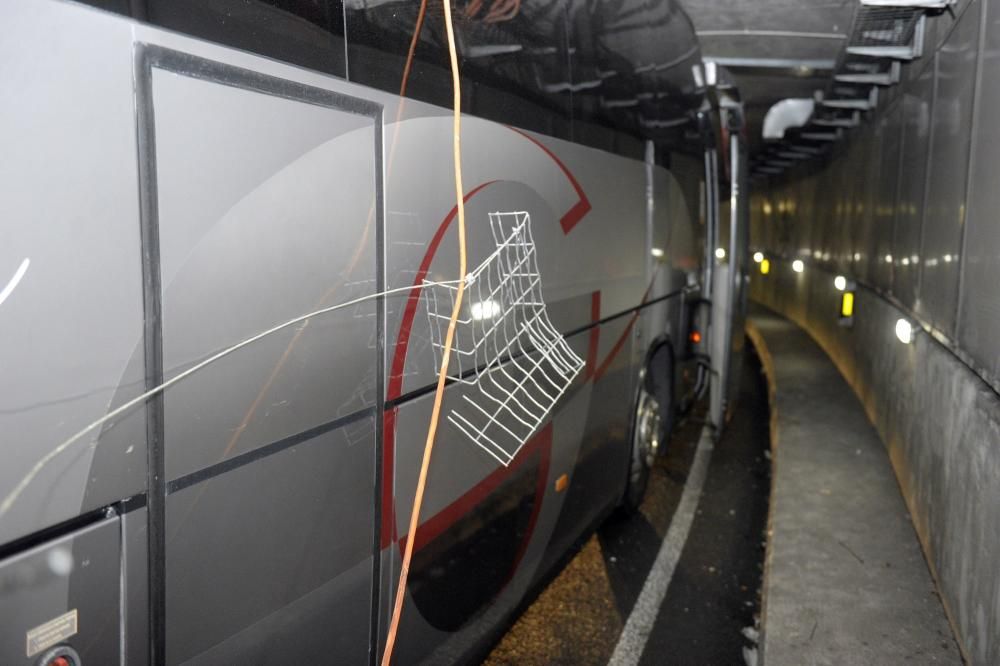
(909,208)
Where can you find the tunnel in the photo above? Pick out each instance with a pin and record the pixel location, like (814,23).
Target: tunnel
(555,332)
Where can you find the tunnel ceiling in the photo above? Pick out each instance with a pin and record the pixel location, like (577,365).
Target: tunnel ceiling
(774,48)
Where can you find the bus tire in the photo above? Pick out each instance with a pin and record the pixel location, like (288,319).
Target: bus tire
(660,381)
(647,430)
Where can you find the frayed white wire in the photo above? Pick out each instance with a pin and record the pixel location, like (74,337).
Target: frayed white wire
(11,497)
(18,274)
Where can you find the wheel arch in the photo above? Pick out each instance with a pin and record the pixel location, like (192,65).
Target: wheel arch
(660,353)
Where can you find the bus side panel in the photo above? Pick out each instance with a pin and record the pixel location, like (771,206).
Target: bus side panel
(63,593)
(71,322)
(266,210)
(592,270)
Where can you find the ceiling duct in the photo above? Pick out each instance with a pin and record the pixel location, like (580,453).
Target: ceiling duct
(882,37)
(786,114)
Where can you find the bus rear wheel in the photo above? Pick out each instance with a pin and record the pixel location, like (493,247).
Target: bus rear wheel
(647,433)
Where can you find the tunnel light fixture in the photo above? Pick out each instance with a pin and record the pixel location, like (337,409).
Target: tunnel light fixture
(798,266)
(720,253)
(904,331)
(924,4)
(888,258)
(840,282)
(765,266)
(947,258)
(656,252)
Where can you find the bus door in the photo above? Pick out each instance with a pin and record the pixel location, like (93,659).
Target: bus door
(261,204)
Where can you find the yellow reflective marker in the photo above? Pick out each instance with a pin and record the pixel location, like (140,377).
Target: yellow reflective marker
(847,304)
(765,266)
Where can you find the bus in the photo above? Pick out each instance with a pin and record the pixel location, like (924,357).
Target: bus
(228,236)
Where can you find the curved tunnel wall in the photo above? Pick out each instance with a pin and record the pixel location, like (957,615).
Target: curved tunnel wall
(910,209)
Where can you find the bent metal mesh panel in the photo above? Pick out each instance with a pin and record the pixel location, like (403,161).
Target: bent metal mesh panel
(505,346)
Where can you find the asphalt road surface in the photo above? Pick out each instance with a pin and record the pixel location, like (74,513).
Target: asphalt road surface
(678,582)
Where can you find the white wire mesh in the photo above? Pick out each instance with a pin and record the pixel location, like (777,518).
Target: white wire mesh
(504,343)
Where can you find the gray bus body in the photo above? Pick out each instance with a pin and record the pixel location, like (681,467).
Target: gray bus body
(164,198)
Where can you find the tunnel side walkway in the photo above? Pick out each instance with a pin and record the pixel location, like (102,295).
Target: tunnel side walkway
(845,580)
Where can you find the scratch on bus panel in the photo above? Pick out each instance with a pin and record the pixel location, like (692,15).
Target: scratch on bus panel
(14,281)
(11,497)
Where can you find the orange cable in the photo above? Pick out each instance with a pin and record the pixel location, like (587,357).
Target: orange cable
(413,47)
(472,8)
(446,354)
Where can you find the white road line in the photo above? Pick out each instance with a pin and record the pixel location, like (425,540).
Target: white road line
(640,621)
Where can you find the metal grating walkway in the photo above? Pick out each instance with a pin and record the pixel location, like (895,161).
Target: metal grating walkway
(846,581)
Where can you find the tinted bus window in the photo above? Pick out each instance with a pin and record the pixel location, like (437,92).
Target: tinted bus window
(309,33)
